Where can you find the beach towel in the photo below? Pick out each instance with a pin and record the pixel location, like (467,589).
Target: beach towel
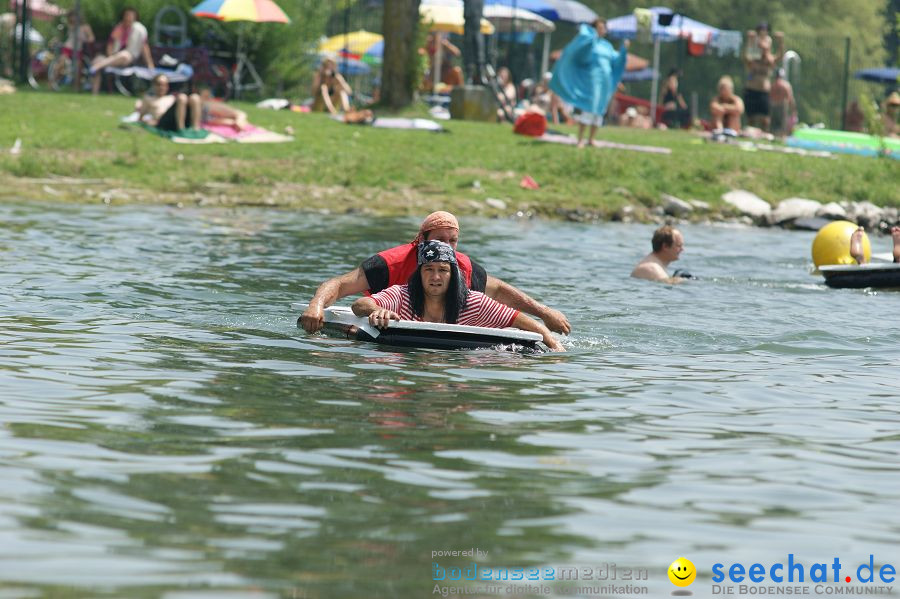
(249,135)
(568,140)
(181,74)
(396,123)
(184,136)
(401,123)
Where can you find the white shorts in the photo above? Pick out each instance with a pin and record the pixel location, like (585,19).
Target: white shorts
(589,118)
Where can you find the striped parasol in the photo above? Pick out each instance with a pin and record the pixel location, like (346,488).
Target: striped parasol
(257,11)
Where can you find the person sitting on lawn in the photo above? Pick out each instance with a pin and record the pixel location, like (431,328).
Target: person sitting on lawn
(170,112)
(83,36)
(889,115)
(726,108)
(330,90)
(127,42)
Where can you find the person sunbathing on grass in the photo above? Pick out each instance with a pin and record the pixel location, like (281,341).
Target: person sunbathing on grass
(437,292)
(169,112)
(216,112)
(856,246)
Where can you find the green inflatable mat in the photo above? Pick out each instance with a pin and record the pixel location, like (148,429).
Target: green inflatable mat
(832,137)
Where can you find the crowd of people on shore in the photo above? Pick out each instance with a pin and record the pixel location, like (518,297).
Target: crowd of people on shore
(583,87)
(587,81)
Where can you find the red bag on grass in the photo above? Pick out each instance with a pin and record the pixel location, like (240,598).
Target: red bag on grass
(531,123)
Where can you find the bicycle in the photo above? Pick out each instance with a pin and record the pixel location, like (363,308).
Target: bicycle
(61,71)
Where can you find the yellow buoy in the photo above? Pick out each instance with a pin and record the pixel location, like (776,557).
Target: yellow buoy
(832,244)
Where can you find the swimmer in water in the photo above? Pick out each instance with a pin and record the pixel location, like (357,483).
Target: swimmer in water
(667,244)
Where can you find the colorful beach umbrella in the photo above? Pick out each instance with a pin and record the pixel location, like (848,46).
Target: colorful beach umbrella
(257,11)
(447,17)
(40,9)
(347,66)
(359,45)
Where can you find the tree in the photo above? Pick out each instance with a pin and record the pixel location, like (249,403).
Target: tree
(399,68)
(473,49)
(892,31)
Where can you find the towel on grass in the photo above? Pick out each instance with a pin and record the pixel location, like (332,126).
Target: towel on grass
(396,123)
(185,136)
(568,140)
(248,135)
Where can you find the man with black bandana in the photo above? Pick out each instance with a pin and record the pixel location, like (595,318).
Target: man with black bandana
(435,292)
(395,265)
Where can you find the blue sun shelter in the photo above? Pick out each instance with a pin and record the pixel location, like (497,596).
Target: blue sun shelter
(660,24)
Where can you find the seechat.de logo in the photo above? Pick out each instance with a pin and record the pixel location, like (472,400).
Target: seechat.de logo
(682,572)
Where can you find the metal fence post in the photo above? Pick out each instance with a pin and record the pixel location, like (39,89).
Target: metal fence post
(842,108)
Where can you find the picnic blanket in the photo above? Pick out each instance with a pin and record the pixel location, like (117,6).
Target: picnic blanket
(569,140)
(249,135)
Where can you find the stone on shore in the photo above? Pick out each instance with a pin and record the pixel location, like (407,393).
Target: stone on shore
(866,214)
(674,206)
(749,204)
(792,209)
(699,205)
(832,211)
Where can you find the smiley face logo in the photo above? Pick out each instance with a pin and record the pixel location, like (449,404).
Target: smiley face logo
(682,572)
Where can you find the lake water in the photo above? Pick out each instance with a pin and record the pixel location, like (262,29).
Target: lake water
(167,431)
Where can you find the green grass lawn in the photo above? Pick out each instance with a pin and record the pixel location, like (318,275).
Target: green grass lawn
(341,167)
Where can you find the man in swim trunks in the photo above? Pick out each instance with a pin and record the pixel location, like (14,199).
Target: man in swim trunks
(394,267)
(668,243)
(760,64)
(783,105)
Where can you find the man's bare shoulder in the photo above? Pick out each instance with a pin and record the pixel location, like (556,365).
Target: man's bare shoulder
(650,269)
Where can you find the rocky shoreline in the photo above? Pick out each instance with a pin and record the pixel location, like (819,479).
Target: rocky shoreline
(736,207)
(747,208)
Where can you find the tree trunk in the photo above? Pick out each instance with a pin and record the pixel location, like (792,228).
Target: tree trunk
(401,22)
(473,47)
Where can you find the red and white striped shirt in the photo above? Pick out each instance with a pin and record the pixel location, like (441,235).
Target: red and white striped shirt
(480,310)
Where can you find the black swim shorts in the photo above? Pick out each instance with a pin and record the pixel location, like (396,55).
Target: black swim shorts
(756,102)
